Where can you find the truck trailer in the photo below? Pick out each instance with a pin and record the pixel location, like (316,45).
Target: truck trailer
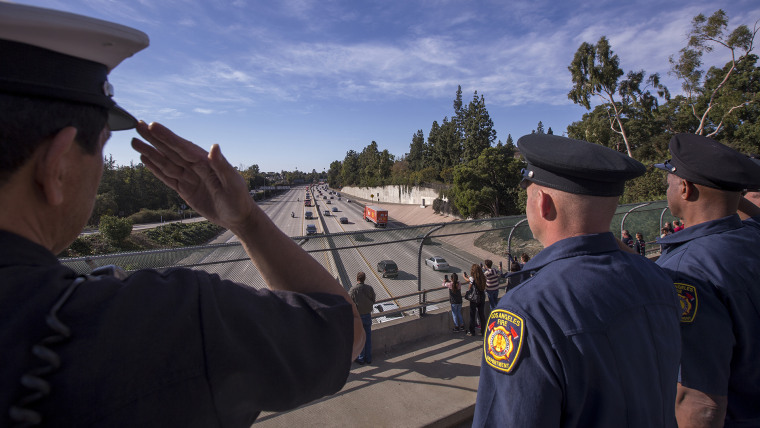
(376,215)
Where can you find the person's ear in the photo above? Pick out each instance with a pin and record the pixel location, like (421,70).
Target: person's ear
(545,204)
(55,163)
(687,190)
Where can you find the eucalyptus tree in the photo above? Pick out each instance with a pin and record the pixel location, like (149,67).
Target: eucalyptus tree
(596,72)
(713,104)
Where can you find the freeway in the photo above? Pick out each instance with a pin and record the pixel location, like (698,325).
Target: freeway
(399,245)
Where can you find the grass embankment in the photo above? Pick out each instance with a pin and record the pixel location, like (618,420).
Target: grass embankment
(172,235)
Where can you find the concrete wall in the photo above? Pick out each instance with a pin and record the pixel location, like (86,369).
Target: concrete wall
(389,335)
(394,194)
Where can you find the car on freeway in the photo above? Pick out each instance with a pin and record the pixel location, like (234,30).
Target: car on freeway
(332,197)
(338,197)
(329,202)
(327,213)
(388,268)
(348,200)
(308,215)
(344,220)
(438,263)
(385,307)
(335,209)
(311,229)
(324,197)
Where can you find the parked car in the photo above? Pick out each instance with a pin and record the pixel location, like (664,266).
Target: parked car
(311,229)
(438,263)
(385,307)
(388,268)
(344,220)
(335,209)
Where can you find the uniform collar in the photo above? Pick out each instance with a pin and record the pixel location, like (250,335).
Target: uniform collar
(573,247)
(711,227)
(16,250)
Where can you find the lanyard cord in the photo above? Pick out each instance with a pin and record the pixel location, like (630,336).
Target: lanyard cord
(33,380)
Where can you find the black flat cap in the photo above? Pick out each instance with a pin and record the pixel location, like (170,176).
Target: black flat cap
(576,166)
(50,54)
(704,161)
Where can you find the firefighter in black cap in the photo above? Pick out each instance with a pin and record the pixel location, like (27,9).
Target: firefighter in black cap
(178,348)
(715,265)
(590,338)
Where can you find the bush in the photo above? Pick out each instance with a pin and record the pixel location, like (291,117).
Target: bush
(115,229)
(156,216)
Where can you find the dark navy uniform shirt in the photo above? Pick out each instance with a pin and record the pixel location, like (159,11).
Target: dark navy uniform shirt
(590,339)
(716,270)
(753,222)
(182,348)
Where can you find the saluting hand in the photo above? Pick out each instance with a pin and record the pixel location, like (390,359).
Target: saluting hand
(205,180)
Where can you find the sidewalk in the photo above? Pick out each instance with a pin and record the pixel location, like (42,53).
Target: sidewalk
(432,382)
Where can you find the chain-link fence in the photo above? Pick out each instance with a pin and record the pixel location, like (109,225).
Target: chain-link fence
(417,285)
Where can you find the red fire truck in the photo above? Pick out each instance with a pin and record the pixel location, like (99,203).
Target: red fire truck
(376,215)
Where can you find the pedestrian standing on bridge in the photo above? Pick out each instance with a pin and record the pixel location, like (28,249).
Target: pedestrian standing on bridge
(179,347)
(492,283)
(363,296)
(714,263)
(576,344)
(455,299)
(478,300)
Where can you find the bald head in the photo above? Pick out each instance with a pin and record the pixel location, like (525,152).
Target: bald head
(554,215)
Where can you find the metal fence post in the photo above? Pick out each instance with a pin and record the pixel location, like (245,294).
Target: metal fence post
(509,242)
(419,267)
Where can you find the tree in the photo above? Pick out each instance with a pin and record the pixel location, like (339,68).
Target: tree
(478,129)
(707,104)
(334,174)
(596,72)
(417,150)
(350,171)
(115,229)
(488,185)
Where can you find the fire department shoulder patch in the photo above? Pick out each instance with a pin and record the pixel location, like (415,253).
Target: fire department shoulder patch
(503,340)
(687,299)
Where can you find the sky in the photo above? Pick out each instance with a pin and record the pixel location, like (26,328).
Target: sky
(295,84)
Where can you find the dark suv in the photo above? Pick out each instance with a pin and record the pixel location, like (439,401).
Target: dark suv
(388,268)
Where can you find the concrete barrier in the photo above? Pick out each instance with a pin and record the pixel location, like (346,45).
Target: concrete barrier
(389,335)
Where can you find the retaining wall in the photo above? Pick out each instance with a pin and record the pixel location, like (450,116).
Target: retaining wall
(394,194)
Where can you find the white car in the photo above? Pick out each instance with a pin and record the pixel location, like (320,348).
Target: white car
(438,263)
(385,307)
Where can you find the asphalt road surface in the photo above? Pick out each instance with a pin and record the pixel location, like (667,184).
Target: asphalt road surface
(287,210)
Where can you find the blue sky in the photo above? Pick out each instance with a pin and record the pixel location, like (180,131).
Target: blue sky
(295,84)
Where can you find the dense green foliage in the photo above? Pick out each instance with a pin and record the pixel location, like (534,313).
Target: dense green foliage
(634,114)
(172,235)
(115,229)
